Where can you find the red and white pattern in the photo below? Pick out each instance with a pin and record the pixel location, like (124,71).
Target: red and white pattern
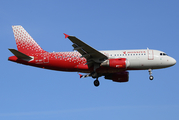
(25,43)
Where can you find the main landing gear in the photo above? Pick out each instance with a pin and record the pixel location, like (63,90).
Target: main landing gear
(150,73)
(96,82)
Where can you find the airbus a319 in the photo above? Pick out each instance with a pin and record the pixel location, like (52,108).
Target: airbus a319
(112,64)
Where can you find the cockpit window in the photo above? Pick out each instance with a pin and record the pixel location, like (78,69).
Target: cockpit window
(163,54)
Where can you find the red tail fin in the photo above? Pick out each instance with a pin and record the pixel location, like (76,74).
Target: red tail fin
(25,43)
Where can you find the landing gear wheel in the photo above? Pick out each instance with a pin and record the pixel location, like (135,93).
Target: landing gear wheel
(151,77)
(150,73)
(96,83)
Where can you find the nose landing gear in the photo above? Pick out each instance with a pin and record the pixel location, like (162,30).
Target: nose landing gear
(150,73)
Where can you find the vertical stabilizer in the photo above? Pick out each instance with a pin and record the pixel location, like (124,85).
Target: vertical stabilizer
(25,43)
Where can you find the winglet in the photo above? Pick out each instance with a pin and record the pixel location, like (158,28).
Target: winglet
(80,75)
(66,35)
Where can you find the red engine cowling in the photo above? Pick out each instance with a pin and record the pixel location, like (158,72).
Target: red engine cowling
(115,63)
(118,77)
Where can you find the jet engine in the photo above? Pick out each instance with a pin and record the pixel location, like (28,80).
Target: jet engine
(118,77)
(115,63)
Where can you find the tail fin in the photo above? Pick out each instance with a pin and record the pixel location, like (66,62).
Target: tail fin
(25,43)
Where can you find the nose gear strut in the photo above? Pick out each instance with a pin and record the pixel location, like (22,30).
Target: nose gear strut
(150,73)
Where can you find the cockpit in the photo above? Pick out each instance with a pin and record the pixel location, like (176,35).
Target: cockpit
(163,54)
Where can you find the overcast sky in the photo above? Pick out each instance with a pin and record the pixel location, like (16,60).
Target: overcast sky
(29,93)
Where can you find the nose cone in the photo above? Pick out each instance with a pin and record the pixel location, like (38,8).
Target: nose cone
(172,61)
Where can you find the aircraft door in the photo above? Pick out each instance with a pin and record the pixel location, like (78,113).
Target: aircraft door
(46,57)
(150,54)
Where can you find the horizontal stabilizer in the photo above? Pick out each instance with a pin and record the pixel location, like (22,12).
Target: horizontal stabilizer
(21,55)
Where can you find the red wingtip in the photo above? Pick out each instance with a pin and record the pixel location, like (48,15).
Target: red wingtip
(81,75)
(66,35)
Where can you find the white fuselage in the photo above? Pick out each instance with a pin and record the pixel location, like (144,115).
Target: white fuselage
(142,58)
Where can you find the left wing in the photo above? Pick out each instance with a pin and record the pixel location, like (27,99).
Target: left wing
(92,55)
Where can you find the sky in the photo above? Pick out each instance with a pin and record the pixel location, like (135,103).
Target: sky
(29,93)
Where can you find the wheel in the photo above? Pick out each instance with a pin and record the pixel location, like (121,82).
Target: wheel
(151,77)
(96,83)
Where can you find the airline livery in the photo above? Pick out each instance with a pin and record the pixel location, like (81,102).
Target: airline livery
(112,64)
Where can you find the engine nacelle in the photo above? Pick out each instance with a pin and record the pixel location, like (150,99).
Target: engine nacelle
(115,63)
(118,77)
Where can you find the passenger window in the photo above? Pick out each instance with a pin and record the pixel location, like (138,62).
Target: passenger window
(161,54)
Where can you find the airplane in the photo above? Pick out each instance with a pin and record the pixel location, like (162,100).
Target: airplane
(112,64)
